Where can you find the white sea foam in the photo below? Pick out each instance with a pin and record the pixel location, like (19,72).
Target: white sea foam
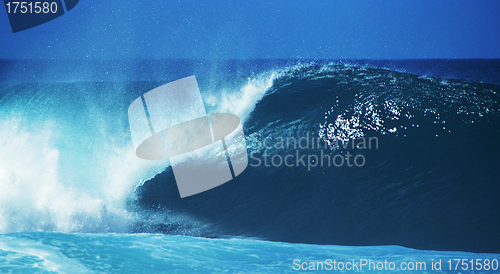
(38,191)
(66,174)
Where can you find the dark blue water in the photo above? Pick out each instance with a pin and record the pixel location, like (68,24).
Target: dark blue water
(431,184)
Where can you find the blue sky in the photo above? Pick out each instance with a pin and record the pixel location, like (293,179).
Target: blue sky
(342,29)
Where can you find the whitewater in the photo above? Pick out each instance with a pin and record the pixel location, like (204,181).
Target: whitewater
(67,161)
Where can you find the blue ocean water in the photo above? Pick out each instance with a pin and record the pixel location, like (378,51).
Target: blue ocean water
(74,197)
(46,252)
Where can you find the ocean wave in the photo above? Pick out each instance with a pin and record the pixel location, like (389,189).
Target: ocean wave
(68,164)
(420,178)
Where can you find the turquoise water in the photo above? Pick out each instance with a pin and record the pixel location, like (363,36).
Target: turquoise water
(48,252)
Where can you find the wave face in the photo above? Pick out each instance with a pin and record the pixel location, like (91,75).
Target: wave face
(419,168)
(419,155)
